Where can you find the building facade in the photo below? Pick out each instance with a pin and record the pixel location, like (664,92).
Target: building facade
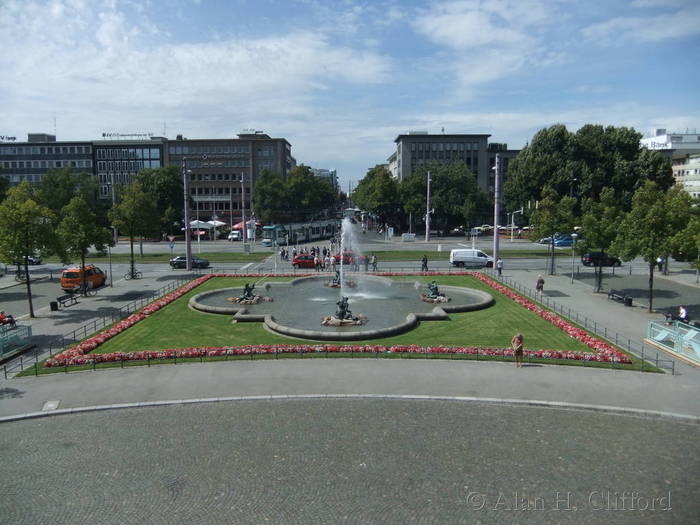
(118,161)
(474,150)
(686,171)
(222,172)
(673,145)
(330,175)
(31,160)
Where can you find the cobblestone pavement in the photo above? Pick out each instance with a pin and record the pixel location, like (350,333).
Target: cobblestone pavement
(348,461)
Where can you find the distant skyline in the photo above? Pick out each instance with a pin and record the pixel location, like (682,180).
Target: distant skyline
(341,79)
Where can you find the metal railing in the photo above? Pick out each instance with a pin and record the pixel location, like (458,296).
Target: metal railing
(638,349)
(677,337)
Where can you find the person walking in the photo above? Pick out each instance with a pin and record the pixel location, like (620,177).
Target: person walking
(517,344)
(374,263)
(499,266)
(539,286)
(424,264)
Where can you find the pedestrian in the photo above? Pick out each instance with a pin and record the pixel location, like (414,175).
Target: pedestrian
(517,344)
(327,262)
(660,263)
(316,264)
(539,286)
(374,263)
(424,264)
(366,261)
(7,319)
(499,266)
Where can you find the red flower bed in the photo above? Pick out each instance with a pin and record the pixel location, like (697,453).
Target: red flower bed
(80,353)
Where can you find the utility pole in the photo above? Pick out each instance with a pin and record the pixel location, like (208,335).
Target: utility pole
(427,211)
(243,210)
(496,207)
(186,198)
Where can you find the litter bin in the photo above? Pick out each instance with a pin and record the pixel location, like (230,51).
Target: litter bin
(628,300)
(54,306)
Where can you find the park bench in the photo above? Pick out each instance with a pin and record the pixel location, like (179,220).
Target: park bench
(619,295)
(67,300)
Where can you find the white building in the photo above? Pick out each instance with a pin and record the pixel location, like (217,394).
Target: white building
(686,171)
(673,145)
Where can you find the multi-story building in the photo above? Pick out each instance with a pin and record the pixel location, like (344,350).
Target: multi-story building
(330,175)
(222,172)
(118,161)
(31,160)
(686,171)
(673,145)
(474,150)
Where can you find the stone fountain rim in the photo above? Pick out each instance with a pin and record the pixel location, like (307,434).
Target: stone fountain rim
(439,312)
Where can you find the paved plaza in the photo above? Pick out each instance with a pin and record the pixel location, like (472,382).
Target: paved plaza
(349,461)
(528,446)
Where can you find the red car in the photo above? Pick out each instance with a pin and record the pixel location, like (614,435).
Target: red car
(303,261)
(347,258)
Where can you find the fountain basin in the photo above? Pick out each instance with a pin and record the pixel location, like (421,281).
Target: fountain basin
(299,306)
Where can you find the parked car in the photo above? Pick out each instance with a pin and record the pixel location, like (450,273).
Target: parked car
(72,278)
(32,259)
(599,259)
(235,235)
(303,261)
(563,241)
(181,262)
(470,258)
(348,257)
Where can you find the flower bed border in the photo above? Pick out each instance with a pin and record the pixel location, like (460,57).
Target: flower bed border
(80,353)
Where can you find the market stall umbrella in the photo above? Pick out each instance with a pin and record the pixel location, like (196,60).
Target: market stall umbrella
(200,224)
(216,223)
(239,225)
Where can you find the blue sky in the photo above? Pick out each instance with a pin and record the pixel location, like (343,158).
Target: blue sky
(340,79)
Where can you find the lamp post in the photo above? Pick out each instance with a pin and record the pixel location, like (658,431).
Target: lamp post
(109,251)
(427,211)
(496,205)
(574,236)
(186,199)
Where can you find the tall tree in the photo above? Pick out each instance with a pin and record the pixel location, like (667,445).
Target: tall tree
(685,245)
(270,197)
(58,187)
(4,186)
(378,193)
(648,229)
(309,196)
(136,215)
(600,223)
(164,185)
(26,227)
(553,215)
(78,231)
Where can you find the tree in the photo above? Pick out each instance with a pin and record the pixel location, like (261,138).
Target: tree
(455,195)
(78,231)
(164,186)
(650,226)
(4,186)
(583,163)
(26,227)
(136,215)
(378,193)
(270,197)
(685,245)
(308,196)
(553,215)
(600,223)
(58,187)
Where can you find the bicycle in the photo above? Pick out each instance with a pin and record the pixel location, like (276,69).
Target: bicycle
(133,275)
(20,277)
(88,291)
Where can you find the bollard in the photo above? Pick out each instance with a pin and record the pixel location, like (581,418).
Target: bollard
(36,369)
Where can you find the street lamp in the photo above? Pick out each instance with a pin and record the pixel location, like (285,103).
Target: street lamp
(427,211)
(574,236)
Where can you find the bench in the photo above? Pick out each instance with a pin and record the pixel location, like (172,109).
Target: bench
(619,295)
(67,300)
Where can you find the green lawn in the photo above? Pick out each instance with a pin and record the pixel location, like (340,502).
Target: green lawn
(148,258)
(177,326)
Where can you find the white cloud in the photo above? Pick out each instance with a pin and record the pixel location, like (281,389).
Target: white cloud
(653,27)
(98,61)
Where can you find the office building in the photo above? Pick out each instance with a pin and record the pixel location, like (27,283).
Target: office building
(330,175)
(222,172)
(474,150)
(673,145)
(31,160)
(686,171)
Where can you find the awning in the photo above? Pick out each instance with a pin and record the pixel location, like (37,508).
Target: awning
(239,226)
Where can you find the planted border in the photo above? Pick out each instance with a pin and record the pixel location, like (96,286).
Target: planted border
(80,353)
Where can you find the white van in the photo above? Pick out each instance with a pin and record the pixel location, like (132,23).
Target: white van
(471,258)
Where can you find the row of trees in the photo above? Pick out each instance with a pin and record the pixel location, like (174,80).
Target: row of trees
(621,196)
(300,197)
(63,216)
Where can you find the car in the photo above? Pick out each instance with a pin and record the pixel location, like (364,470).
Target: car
(181,262)
(303,261)
(235,235)
(31,259)
(72,278)
(564,241)
(599,259)
(348,257)
(471,258)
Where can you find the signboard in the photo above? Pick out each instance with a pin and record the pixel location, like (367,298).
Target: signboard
(171,238)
